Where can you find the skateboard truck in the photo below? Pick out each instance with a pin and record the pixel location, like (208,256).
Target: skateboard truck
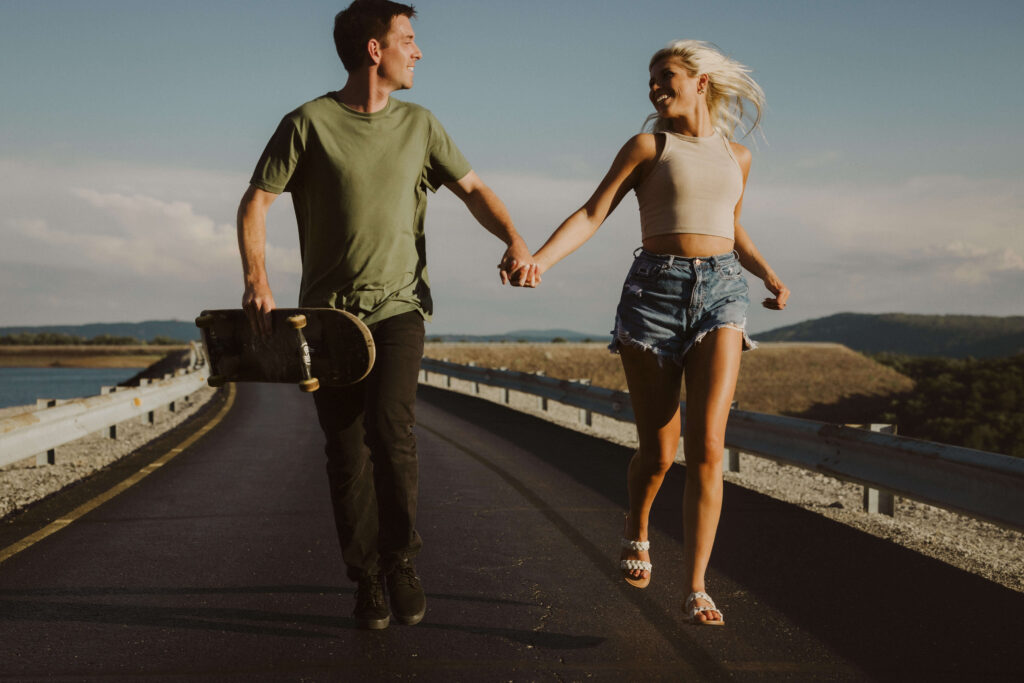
(308,383)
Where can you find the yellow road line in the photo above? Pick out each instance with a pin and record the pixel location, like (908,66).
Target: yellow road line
(87,507)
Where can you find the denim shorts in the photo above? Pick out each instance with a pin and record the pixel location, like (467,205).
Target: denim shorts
(669,303)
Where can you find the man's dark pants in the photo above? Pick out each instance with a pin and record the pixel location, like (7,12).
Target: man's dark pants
(371,451)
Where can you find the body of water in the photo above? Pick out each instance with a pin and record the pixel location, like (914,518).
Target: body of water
(22,386)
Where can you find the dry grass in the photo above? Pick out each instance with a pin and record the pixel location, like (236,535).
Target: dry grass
(821,381)
(82,356)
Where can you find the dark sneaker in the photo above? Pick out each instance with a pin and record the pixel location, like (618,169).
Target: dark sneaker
(408,603)
(371,609)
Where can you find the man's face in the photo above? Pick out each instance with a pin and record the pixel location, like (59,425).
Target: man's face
(400,55)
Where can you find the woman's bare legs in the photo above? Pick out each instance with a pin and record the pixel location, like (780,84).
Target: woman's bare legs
(654,391)
(712,367)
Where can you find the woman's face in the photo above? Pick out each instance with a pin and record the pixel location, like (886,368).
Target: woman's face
(673,89)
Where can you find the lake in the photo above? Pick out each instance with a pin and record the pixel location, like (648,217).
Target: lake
(22,386)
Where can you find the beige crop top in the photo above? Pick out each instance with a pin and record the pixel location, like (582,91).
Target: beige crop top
(693,188)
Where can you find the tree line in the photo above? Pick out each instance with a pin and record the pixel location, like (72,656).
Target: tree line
(62,339)
(971,402)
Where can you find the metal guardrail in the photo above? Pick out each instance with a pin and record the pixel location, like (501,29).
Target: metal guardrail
(984,485)
(55,423)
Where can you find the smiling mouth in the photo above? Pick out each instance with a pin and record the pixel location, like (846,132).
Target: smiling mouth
(661,98)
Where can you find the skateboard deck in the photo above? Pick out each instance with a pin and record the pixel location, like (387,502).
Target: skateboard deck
(311,347)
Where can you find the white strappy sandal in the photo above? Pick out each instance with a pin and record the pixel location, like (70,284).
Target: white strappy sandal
(628,566)
(692,610)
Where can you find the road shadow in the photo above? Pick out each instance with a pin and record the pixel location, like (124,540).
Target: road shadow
(889,610)
(88,604)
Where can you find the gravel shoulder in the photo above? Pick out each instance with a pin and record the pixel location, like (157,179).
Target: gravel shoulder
(975,546)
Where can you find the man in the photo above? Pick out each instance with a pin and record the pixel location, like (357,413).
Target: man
(358,164)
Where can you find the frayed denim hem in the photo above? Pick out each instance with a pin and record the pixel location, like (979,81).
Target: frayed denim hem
(748,343)
(621,338)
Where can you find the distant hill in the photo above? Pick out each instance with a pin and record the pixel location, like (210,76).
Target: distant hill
(519,335)
(952,336)
(186,330)
(144,331)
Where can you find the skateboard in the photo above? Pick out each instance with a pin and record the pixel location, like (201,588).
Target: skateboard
(308,346)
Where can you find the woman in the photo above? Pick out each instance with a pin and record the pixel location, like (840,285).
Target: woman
(683,305)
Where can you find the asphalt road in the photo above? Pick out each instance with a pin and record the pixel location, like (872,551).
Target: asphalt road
(222,565)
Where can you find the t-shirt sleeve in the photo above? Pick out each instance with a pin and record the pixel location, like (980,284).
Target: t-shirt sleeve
(278,167)
(444,162)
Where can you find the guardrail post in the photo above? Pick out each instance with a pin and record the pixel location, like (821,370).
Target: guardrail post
(47,458)
(586,415)
(112,432)
(476,385)
(506,393)
(731,460)
(173,406)
(151,417)
(542,401)
(880,501)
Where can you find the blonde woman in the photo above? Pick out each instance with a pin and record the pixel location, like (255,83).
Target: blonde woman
(683,304)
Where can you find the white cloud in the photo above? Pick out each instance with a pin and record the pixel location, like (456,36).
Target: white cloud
(920,212)
(147,236)
(826,159)
(114,242)
(976,265)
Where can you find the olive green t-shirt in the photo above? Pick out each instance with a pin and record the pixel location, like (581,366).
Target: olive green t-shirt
(359,187)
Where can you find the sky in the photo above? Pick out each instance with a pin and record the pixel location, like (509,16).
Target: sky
(887,176)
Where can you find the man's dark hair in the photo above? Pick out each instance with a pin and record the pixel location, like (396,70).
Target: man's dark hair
(361,21)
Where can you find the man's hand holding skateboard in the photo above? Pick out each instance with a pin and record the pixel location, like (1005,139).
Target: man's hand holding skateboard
(258,302)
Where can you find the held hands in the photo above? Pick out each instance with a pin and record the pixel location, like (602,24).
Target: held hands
(781,292)
(518,268)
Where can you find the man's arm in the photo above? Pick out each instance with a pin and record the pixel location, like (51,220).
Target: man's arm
(257,300)
(491,213)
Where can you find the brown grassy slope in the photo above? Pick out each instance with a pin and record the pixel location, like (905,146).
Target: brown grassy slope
(82,356)
(821,381)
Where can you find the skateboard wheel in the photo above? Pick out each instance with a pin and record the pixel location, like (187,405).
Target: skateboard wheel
(297,322)
(309,385)
(216,380)
(204,321)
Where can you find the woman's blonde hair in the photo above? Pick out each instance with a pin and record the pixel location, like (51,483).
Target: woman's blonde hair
(729,84)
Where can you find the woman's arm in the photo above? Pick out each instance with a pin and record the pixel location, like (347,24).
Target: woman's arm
(750,257)
(628,168)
